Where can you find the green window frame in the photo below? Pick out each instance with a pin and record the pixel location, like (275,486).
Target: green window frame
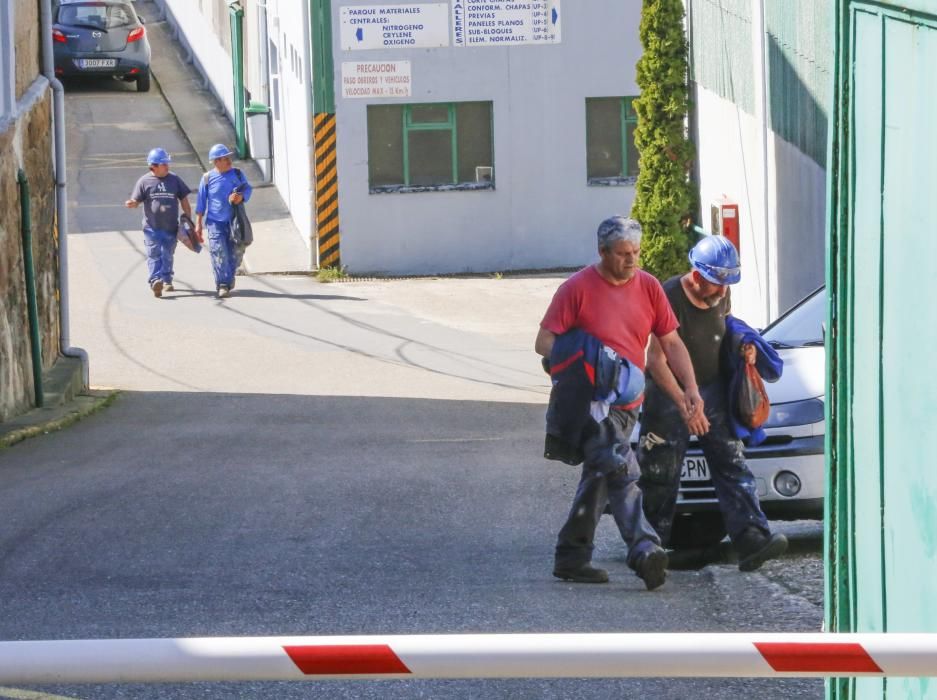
(611,156)
(412,124)
(430,146)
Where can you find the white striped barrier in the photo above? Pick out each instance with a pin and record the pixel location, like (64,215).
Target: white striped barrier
(467,656)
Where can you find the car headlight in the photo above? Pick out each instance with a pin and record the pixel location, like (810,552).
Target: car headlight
(787,484)
(795,413)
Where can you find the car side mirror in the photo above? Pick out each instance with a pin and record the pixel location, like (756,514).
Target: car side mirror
(142,19)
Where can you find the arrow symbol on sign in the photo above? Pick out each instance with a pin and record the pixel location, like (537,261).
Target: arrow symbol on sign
(359,34)
(555,16)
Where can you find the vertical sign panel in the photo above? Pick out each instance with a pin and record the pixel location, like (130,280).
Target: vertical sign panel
(505,22)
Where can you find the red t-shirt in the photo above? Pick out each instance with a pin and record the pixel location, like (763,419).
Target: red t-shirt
(621,316)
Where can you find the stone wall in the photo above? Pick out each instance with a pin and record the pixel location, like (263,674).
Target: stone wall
(28,55)
(26,143)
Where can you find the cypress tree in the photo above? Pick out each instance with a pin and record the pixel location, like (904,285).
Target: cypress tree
(664,197)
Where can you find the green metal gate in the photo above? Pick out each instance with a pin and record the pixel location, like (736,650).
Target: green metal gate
(882,519)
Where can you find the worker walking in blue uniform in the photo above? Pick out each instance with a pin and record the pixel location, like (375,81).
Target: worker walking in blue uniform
(220,188)
(701,303)
(161,193)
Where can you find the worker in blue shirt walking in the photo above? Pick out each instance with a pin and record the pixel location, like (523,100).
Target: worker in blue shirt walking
(220,188)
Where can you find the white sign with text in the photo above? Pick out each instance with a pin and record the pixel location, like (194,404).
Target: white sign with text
(414,26)
(376,79)
(505,22)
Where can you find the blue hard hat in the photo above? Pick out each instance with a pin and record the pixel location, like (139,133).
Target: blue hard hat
(617,380)
(158,156)
(219,150)
(717,260)
(630,383)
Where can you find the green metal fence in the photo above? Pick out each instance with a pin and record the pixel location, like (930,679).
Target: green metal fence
(721,49)
(882,488)
(799,51)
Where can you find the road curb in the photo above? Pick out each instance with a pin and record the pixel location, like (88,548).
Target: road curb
(80,407)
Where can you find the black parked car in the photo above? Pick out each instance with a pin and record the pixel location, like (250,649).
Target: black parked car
(100,38)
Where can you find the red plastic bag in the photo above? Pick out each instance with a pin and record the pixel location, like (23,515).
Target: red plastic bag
(753,399)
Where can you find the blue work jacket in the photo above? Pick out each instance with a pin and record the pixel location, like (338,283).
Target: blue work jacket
(214,190)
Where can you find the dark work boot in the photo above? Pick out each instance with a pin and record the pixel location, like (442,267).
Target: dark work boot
(651,567)
(581,574)
(755,548)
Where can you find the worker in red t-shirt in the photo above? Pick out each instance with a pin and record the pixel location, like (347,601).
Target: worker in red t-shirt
(621,305)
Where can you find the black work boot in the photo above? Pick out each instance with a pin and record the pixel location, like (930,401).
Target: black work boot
(581,574)
(651,567)
(755,548)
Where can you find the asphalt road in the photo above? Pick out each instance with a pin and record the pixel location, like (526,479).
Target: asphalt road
(359,458)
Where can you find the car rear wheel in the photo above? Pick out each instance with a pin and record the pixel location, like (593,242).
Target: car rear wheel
(143,82)
(697,530)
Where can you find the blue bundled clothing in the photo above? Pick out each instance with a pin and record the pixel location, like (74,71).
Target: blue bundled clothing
(584,370)
(768,363)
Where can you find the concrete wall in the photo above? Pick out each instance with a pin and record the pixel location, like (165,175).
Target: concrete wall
(204,30)
(785,260)
(760,97)
(291,110)
(541,213)
(26,143)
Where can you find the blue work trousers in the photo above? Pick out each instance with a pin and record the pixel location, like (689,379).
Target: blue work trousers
(661,460)
(225,256)
(160,251)
(609,475)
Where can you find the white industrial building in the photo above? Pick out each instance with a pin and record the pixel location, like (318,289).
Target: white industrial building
(503,142)
(486,135)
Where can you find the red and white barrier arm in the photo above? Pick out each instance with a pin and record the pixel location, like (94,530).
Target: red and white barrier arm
(467,656)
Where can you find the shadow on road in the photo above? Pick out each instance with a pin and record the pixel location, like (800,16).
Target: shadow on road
(261,294)
(804,537)
(199,514)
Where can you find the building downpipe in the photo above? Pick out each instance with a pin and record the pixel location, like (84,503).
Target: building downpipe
(61,199)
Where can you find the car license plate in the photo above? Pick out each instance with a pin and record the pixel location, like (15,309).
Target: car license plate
(97,62)
(695,469)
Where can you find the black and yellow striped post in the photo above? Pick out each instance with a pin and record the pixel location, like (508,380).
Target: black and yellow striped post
(323,133)
(327,229)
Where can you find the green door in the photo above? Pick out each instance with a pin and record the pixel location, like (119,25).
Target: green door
(882,524)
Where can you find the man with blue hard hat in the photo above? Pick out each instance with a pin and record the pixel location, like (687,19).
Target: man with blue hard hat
(221,187)
(161,193)
(700,301)
(619,305)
